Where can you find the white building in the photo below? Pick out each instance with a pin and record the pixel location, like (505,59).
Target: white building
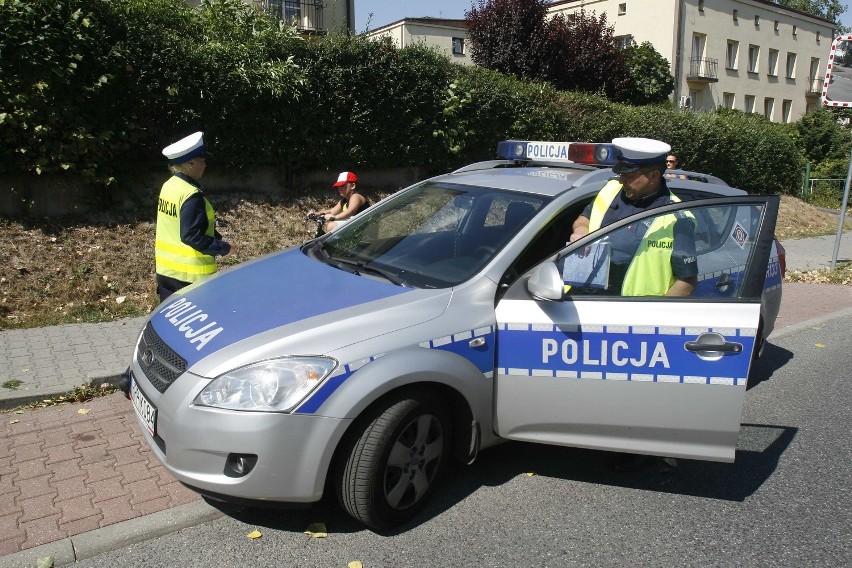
(448,36)
(752,55)
(311,17)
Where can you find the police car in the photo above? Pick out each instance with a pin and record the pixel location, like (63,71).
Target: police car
(450,316)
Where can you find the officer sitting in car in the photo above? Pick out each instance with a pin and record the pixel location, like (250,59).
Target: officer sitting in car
(652,258)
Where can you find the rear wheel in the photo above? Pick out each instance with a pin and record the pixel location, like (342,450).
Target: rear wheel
(397,454)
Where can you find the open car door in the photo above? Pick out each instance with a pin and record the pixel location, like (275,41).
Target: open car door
(580,364)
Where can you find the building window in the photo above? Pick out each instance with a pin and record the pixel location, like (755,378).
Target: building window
(786,110)
(701,6)
(756,21)
(777,25)
(768,107)
(814,77)
(753,55)
(817,37)
(728,100)
(622,9)
(458,46)
(698,43)
(772,64)
(736,15)
(731,55)
(795,30)
(791,65)
(623,42)
(748,103)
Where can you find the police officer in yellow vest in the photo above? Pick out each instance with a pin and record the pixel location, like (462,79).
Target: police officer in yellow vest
(655,258)
(187,240)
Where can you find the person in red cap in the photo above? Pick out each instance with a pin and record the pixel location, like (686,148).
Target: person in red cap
(350,203)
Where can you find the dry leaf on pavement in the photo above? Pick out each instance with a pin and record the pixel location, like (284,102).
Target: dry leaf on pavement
(254,534)
(316,530)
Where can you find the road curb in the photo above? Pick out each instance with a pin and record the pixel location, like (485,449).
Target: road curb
(39,395)
(808,324)
(113,537)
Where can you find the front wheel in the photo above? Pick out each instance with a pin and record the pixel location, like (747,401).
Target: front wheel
(395,458)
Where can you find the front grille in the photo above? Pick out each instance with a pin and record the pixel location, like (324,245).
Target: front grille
(167,365)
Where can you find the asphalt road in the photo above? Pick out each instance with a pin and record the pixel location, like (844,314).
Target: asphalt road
(840,88)
(785,502)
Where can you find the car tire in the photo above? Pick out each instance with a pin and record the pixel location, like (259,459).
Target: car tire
(397,453)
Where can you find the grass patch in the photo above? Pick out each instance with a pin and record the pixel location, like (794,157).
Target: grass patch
(101,268)
(12,384)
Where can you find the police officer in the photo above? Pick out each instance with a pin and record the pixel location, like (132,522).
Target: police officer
(649,259)
(187,240)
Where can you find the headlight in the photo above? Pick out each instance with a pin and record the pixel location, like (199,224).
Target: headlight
(277,385)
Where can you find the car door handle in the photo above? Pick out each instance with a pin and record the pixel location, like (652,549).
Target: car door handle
(725,347)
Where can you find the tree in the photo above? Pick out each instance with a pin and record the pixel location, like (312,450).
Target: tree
(821,138)
(573,52)
(509,36)
(583,55)
(828,9)
(650,78)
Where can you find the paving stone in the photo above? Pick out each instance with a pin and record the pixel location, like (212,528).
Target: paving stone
(107,489)
(77,508)
(37,507)
(42,531)
(117,510)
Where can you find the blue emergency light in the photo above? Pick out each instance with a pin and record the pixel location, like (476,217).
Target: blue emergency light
(568,152)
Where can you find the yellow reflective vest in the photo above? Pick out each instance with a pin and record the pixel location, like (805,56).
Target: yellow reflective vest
(174,258)
(650,271)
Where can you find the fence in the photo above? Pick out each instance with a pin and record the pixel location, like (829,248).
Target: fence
(824,192)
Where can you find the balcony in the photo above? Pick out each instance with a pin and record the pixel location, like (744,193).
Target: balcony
(306,14)
(814,86)
(702,70)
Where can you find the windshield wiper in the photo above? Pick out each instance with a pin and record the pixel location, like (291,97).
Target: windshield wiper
(359,266)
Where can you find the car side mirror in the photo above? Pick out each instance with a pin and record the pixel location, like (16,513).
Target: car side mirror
(545,282)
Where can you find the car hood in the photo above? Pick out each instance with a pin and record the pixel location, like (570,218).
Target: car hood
(286,296)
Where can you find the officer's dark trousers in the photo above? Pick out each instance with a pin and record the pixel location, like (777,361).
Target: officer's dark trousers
(167,286)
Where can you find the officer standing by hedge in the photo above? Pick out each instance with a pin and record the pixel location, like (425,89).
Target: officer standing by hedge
(187,240)
(653,260)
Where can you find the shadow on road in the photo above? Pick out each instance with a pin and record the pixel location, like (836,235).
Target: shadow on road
(773,359)
(759,448)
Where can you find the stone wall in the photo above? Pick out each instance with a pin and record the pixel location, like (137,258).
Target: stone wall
(58,195)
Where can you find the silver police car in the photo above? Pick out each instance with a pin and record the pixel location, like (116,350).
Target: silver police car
(450,316)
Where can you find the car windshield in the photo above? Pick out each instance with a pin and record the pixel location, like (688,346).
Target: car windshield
(432,235)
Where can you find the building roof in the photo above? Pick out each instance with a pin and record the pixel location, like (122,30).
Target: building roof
(444,22)
(768,3)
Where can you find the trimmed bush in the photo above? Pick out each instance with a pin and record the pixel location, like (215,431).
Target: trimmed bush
(98,87)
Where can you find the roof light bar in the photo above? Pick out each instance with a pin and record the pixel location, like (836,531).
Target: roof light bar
(567,152)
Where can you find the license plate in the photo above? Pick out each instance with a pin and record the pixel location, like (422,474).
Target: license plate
(144,409)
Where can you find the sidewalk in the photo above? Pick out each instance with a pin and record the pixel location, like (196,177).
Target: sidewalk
(78,479)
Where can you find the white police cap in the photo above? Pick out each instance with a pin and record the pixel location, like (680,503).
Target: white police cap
(185,149)
(636,153)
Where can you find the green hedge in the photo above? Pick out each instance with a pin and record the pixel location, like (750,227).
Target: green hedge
(99,86)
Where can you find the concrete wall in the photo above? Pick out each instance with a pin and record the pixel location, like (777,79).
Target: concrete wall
(55,196)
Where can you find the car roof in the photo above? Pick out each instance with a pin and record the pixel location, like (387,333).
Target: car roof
(536,178)
(553,179)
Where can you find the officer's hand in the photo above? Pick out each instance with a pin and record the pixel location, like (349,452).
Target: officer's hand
(232,251)
(578,234)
